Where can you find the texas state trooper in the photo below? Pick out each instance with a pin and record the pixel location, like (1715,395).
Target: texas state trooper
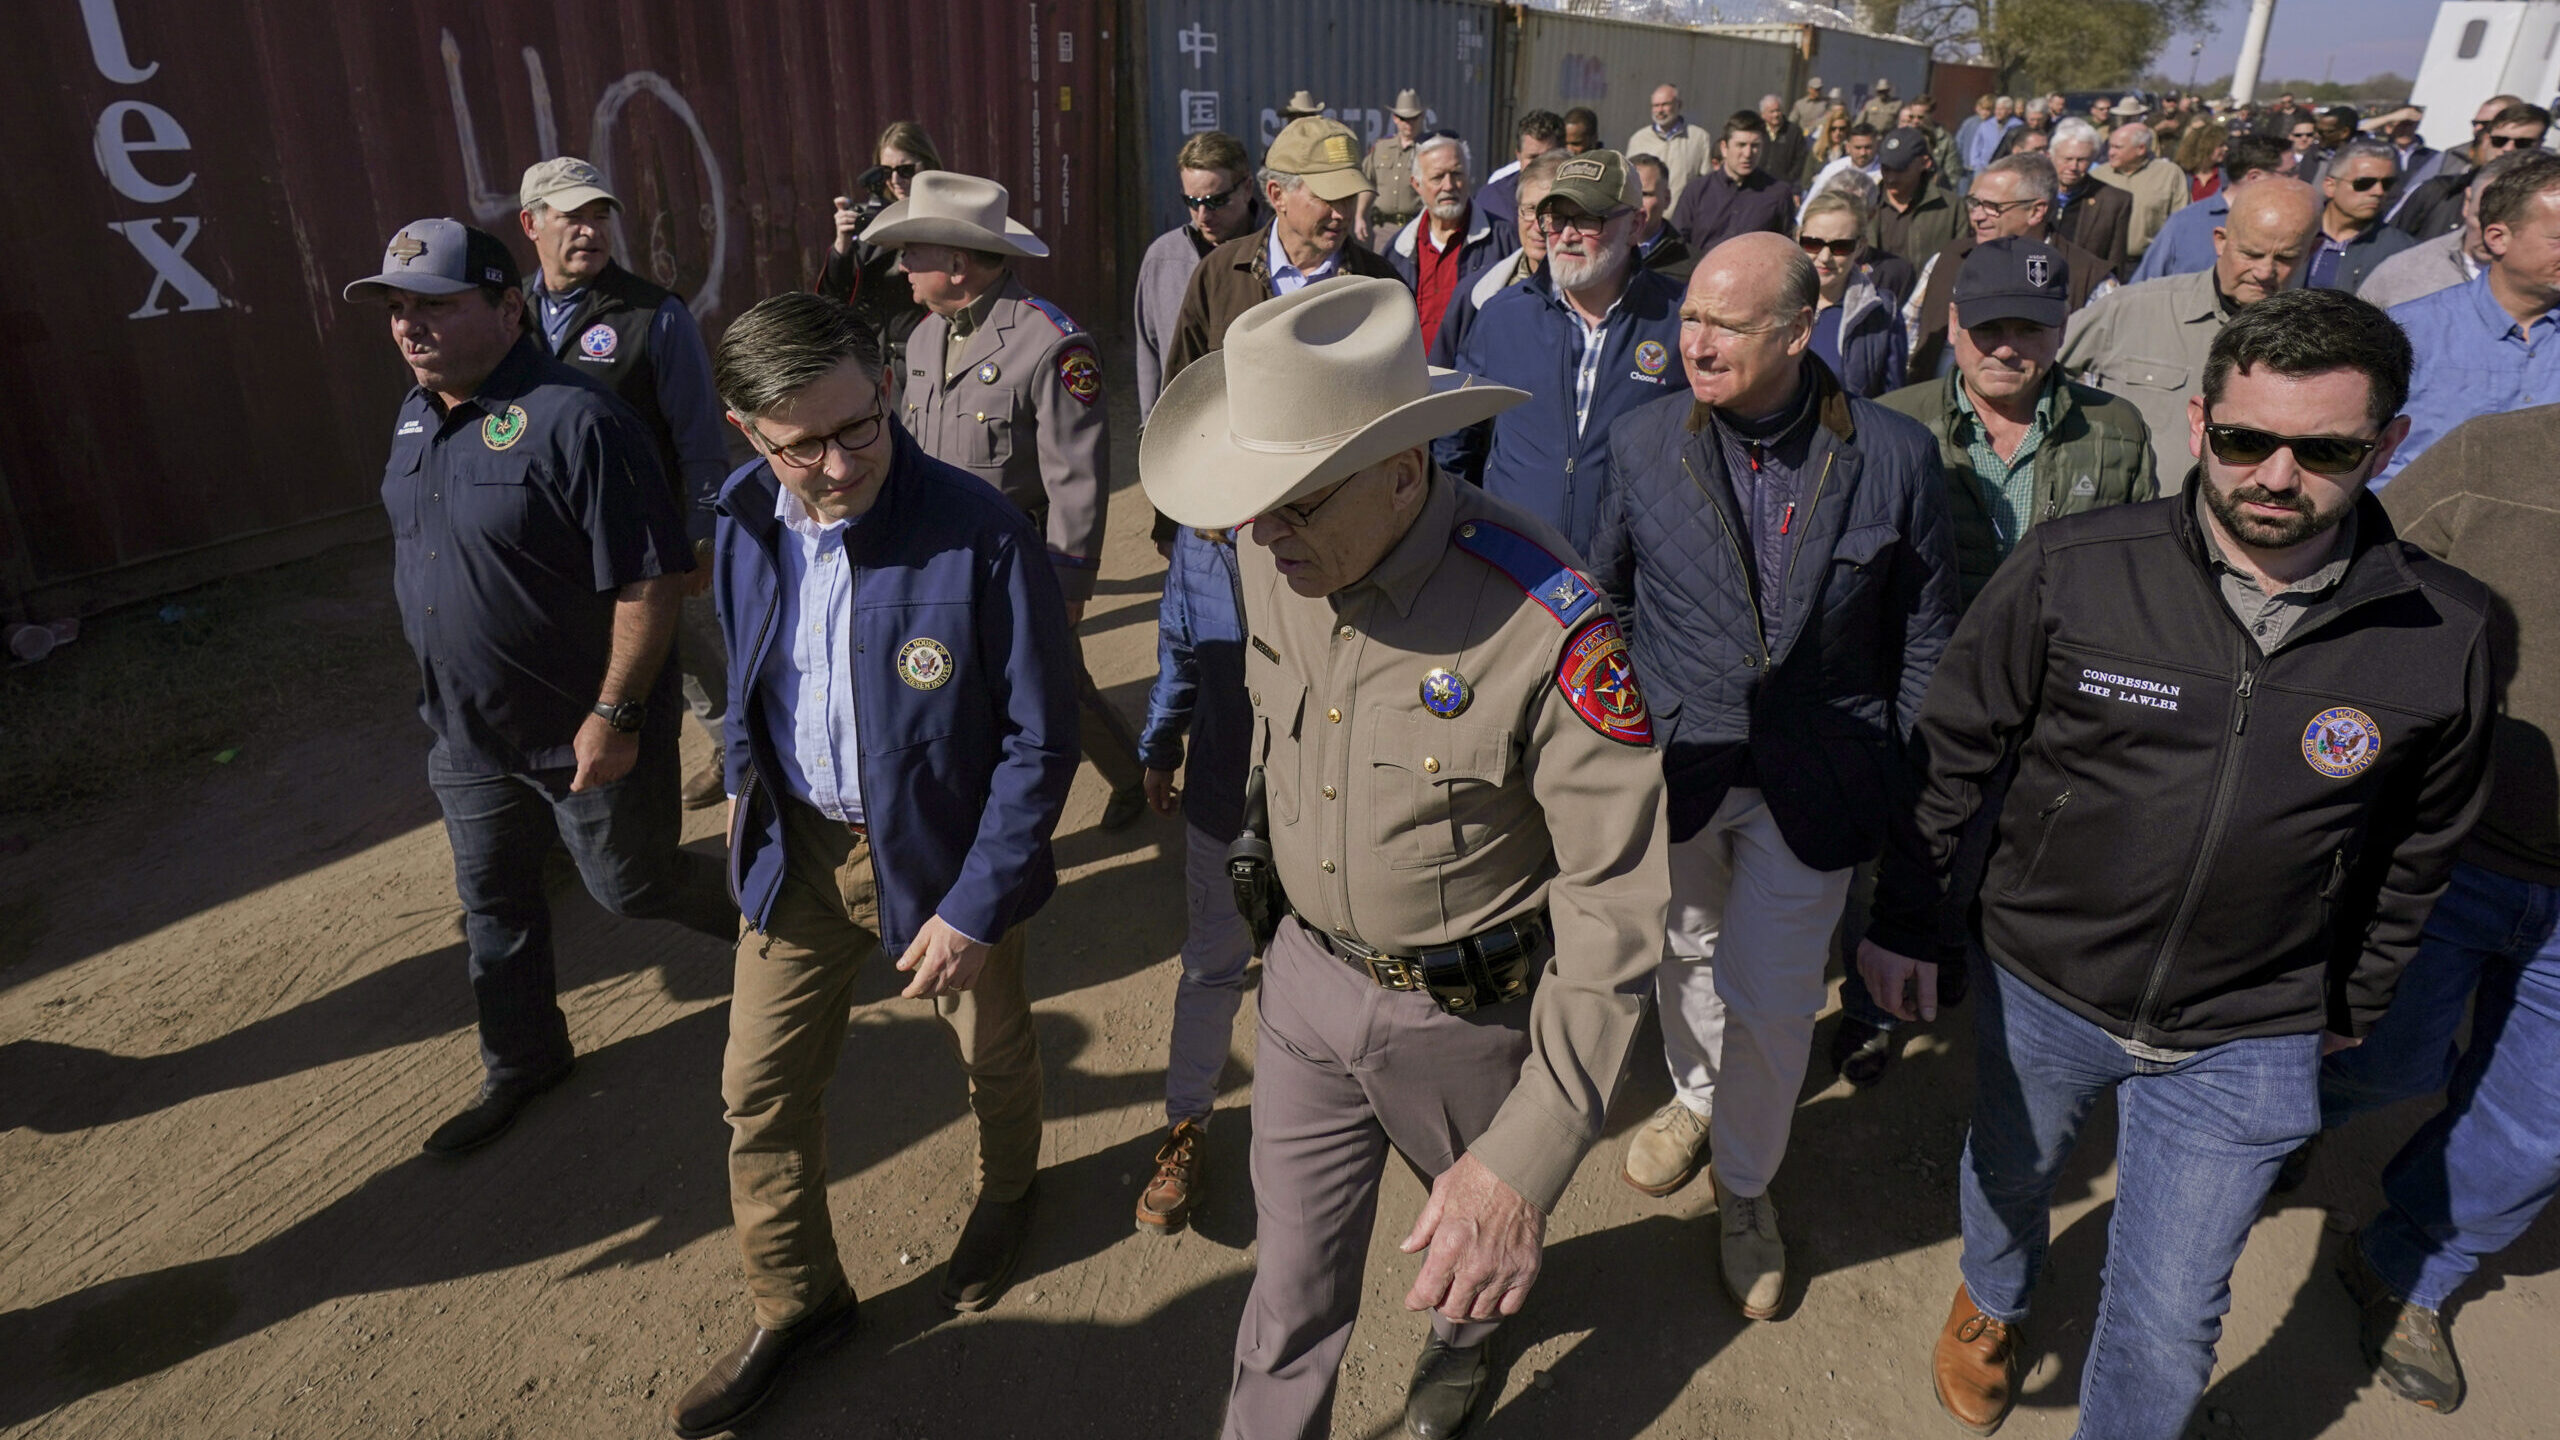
(1390,169)
(1463,809)
(1000,383)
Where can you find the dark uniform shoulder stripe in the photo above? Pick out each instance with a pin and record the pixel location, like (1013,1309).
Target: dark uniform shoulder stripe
(1556,586)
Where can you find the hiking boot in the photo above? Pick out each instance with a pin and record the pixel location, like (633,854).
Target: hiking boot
(2407,1345)
(1666,1150)
(1167,1202)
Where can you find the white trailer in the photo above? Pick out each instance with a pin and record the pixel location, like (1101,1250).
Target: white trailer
(2482,48)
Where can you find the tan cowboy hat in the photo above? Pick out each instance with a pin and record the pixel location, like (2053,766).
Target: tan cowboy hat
(945,207)
(1303,102)
(1408,106)
(1309,389)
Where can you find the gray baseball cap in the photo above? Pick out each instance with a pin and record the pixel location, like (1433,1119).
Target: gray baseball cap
(439,257)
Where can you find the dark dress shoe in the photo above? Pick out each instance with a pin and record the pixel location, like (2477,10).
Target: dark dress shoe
(1124,807)
(990,1247)
(1447,1381)
(706,787)
(740,1380)
(1860,1052)
(2297,1165)
(490,1116)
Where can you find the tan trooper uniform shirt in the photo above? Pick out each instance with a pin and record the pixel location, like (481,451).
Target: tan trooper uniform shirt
(1430,776)
(1390,169)
(1013,394)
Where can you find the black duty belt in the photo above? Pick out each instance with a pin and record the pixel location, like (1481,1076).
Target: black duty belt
(1490,968)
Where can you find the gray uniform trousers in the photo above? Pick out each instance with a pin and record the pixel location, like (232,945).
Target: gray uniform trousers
(1344,1069)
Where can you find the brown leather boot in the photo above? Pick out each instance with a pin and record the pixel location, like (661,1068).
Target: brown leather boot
(1975,1367)
(1167,1202)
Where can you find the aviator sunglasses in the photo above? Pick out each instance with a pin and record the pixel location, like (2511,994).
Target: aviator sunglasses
(2319,454)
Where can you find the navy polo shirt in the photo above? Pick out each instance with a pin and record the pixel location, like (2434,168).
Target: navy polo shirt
(516,517)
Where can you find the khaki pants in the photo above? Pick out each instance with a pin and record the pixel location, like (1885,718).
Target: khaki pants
(787,1021)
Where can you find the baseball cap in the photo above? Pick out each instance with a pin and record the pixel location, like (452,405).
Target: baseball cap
(1325,154)
(1596,180)
(1904,147)
(439,257)
(564,182)
(2014,278)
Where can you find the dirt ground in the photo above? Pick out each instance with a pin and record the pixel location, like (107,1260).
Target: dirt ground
(233,1002)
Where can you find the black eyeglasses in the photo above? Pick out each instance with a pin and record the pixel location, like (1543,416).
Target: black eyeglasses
(2319,454)
(1998,207)
(903,172)
(1299,517)
(804,454)
(2512,142)
(1840,249)
(2362,183)
(1210,202)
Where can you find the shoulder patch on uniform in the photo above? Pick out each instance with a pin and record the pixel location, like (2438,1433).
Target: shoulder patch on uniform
(1598,678)
(1541,576)
(1081,374)
(1055,315)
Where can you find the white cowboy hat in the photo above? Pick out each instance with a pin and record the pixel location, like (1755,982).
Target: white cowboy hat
(1309,389)
(944,207)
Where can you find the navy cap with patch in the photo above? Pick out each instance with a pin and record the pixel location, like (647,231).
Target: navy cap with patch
(439,257)
(1903,147)
(2013,278)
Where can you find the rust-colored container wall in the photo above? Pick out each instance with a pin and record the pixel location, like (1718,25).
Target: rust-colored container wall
(189,186)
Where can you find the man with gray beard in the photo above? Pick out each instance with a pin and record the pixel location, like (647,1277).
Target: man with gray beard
(1592,338)
(1452,241)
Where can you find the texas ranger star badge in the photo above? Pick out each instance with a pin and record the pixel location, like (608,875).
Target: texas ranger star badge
(924,664)
(500,431)
(1599,680)
(2341,742)
(1445,693)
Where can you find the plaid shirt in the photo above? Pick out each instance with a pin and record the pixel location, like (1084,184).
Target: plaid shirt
(1586,372)
(2009,486)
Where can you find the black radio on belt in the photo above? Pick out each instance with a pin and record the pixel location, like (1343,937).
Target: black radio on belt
(1256,880)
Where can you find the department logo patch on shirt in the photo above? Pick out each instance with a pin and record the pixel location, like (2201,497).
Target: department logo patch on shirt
(413,427)
(597,342)
(2341,742)
(1651,357)
(1078,371)
(924,663)
(1599,679)
(500,431)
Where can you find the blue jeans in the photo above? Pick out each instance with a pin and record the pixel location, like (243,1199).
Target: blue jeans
(2477,1174)
(2199,1142)
(624,838)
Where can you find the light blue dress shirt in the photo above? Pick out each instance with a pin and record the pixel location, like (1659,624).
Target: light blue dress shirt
(2472,359)
(1287,278)
(809,692)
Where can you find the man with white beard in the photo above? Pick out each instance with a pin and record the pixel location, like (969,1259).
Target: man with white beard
(1592,338)
(1452,241)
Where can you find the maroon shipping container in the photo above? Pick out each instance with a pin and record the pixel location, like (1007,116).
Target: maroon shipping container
(190,185)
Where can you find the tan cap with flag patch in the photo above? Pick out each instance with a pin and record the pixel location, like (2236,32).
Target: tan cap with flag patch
(1325,154)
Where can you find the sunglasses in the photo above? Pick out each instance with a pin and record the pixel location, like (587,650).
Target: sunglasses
(2512,142)
(903,172)
(2362,183)
(1840,249)
(2319,454)
(1210,202)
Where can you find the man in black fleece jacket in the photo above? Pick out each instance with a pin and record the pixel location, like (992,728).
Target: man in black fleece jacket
(2248,726)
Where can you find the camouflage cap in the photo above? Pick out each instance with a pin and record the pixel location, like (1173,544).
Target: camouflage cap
(1325,154)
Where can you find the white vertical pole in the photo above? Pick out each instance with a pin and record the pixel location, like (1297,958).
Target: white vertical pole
(2253,51)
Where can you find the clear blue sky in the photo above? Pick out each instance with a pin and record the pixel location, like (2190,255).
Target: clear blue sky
(2362,37)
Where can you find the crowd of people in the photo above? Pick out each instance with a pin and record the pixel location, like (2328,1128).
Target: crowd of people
(1630,579)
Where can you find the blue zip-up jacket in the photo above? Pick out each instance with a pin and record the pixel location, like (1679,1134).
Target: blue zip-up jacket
(1530,454)
(962,782)
(1200,685)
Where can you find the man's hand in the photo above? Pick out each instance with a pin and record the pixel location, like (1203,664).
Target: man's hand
(1162,793)
(2331,1042)
(1891,978)
(945,961)
(848,224)
(1075,613)
(1485,1241)
(604,754)
(698,580)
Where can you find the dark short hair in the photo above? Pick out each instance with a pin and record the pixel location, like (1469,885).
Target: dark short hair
(1647,160)
(2521,114)
(2509,194)
(1544,125)
(2300,333)
(1861,128)
(1584,116)
(2251,152)
(2343,114)
(782,345)
(1742,122)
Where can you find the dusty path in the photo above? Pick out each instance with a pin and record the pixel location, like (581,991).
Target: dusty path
(231,1008)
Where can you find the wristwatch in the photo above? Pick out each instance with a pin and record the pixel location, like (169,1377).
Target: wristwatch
(626,717)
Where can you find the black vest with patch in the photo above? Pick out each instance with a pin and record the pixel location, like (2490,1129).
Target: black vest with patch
(607,340)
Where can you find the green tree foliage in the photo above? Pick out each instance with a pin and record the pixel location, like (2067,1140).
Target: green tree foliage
(2055,44)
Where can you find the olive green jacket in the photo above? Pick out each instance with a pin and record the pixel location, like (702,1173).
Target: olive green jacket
(2097,453)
